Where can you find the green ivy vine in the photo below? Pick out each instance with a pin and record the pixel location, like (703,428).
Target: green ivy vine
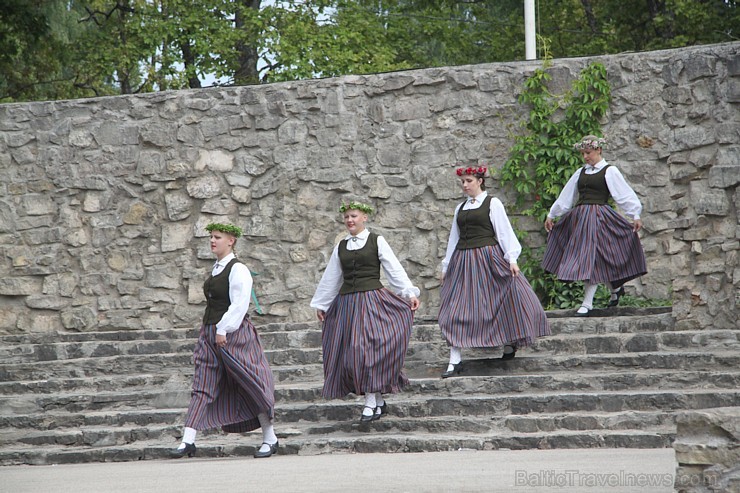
(542,160)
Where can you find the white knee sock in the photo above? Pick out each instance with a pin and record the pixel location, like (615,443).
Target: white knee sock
(268,432)
(589,290)
(455,357)
(188,436)
(379,401)
(370,404)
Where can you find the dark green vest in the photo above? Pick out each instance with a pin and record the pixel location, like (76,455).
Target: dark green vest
(475,226)
(216,289)
(360,268)
(592,189)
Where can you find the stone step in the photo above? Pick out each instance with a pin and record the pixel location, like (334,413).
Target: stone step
(516,404)
(414,403)
(418,364)
(545,363)
(121,434)
(178,392)
(311,390)
(280,335)
(241,446)
(305,347)
(593,344)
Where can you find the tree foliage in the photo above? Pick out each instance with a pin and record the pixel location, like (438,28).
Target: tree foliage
(51,49)
(542,158)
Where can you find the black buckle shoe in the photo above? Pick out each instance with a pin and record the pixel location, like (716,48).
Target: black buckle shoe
(365,418)
(508,356)
(619,293)
(586,314)
(188,450)
(457,368)
(267,453)
(380,411)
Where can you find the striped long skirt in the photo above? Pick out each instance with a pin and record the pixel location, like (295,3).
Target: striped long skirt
(483,305)
(593,243)
(364,340)
(231,385)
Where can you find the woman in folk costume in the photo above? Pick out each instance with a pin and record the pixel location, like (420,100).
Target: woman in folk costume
(366,327)
(232,386)
(592,243)
(485,300)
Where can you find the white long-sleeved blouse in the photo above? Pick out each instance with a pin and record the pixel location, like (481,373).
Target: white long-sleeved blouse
(333,278)
(240,292)
(501,225)
(621,192)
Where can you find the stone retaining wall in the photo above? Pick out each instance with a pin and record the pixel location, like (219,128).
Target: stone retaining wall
(708,451)
(104,200)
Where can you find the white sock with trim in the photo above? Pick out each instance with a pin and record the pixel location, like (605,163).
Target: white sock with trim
(188,437)
(589,290)
(455,357)
(370,404)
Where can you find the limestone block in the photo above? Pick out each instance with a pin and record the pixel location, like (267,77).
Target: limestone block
(724,176)
(691,137)
(156,296)
(137,213)
(292,132)
(150,163)
(219,206)
(190,135)
(115,134)
(60,284)
(204,187)
(195,293)
(37,205)
(241,195)
(215,160)
(20,286)
(179,206)
(700,66)
(677,95)
(713,204)
(296,157)
(162,277)
(78,318)
(176,236)
(405,111)
(44,302)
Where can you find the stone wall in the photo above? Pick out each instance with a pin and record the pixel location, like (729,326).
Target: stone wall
(707,449)
(104,200)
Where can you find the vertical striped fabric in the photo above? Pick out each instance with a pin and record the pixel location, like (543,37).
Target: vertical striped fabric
(483,305)
(364,340)
(231,386)
(593,243)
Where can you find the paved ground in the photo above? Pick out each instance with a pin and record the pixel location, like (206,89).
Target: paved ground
(525,471)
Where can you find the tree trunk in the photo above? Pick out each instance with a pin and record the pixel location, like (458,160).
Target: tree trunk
(246,72)
(590,18)
(190,69)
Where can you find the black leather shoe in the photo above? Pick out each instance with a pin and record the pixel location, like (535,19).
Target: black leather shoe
(267,453)
(188,450)
(380,411)
(365,418)
(457,368)
(508,356)
(586,314)
(619,293)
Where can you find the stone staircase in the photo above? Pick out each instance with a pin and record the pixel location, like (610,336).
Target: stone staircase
(617,379)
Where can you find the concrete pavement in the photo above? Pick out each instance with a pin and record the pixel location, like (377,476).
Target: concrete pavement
(520,471)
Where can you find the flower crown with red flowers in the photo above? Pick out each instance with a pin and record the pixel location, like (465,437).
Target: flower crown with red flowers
(478,171)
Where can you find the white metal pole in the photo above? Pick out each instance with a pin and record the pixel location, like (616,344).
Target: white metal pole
(530,45)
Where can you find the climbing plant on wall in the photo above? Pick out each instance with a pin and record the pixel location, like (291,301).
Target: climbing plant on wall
(542,159)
